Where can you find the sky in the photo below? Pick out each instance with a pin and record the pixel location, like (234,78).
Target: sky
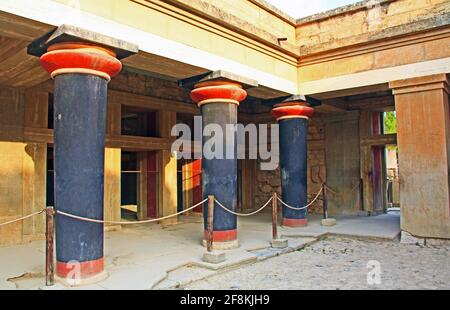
(302,8)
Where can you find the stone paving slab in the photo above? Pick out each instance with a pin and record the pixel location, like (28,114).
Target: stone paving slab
(235,258)
(294,244)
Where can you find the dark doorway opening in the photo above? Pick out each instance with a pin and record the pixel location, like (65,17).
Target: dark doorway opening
(129,183)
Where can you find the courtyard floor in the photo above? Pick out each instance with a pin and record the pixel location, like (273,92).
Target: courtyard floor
(154,257)
(340,263)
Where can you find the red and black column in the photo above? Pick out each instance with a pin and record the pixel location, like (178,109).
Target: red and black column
(219,101)
(81,72)
(292,117)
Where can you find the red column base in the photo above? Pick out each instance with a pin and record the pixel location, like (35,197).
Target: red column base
(222,240)
(83,270)
(295,222)
(222,236)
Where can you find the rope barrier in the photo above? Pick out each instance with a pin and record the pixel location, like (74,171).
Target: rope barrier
(129,223)
(305,207)
(179,213)
(241,214)
(329,189)
(22,218)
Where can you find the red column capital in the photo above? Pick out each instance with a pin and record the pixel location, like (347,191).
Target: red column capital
(83,58)
(218,92)
(291,110)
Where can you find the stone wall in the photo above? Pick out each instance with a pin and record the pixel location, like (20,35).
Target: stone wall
(145,85)
(269,181)
(365,22)
(316,161)
(253,16)
(22,168)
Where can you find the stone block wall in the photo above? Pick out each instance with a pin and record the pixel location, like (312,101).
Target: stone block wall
(22,169)
(368,21)
(139,84)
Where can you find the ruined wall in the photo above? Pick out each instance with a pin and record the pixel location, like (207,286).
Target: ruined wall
(365,22)
(269,181)
(346,42)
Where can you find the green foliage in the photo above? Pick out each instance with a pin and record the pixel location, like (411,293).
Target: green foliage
(390,126)
(390,122)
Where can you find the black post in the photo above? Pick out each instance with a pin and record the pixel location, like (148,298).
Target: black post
(325,201)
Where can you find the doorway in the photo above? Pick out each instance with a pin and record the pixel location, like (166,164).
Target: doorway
(379,166)
(139,185)
(129,183)
(392,168)
(383,174)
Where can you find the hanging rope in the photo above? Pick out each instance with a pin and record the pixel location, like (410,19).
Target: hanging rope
(340,195)
(242,214)
(81,218)
(303,208)
(22,218)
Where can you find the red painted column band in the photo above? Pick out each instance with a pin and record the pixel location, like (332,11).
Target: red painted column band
(294,222)
(222,236)
(84,269)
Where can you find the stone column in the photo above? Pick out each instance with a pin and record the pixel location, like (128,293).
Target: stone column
(219,101)
(81,63)
(292,116)
(423,125)
(81,73)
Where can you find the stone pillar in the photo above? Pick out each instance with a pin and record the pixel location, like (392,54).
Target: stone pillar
(113,161)
(292,116)
(219,101)
(81,72)
(423,125)
(168,168)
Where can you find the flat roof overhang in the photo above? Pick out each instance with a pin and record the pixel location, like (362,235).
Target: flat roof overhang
(157,56)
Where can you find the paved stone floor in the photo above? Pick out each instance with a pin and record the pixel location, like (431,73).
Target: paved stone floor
(342,263)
